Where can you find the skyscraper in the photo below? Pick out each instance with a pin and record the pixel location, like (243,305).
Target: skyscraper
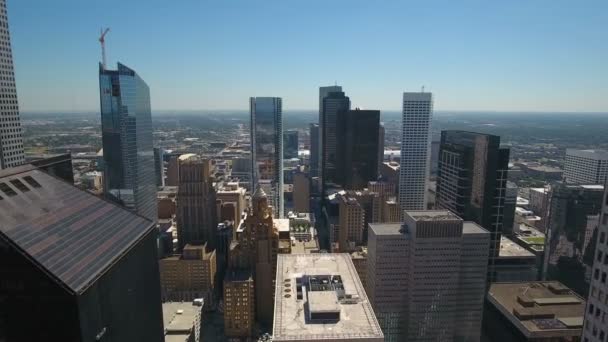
(586,166)
(415,140)
(426,277)
(572,218)
(290,144)
(381,134)
(357,150)
(11,135)
(323,92)
(596,326)
(333,103)
(81,268)
(314,149)
(267,149)
(159,166)
(472,181)
(126,128)
(196,202)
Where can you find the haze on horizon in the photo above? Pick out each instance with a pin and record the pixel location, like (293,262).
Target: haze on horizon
(473,55)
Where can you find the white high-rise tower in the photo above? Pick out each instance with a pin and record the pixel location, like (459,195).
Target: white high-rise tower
(415,142)
(11,135)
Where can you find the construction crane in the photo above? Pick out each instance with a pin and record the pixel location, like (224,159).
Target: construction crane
(102,40)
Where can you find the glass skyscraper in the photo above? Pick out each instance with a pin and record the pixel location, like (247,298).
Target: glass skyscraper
(267,149)
(126,124)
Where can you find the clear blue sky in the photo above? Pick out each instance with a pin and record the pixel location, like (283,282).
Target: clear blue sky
(195,54)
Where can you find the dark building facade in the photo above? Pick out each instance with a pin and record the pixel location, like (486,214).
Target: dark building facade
(357,151)
(74,267)
(333,104)
(314,150)
(58,166)
(159,166)
(290,144)
(572,220)
(472,181)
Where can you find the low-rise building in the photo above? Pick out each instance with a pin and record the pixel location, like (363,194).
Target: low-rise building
(533,311)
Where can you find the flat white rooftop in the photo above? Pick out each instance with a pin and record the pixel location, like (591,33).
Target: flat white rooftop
(292,321)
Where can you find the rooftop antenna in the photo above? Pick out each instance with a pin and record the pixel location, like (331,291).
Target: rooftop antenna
(102,40)
(423,89)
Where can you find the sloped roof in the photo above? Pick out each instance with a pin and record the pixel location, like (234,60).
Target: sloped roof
(71,234)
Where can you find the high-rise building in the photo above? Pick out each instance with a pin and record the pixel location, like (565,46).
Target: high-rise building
(190,275)
(320,298)
(196,202)
(426,277)
(596,325)
(239,303)
(301,192)
(172,171)
(472,181)
(381,134)
(255,249)
(357,150)
(415,140)
(159,166)
(314,149)
(351,224)
(11,134)
(511,192)
(586,166)
(58,166)
(267,149)
(81,268)
(323,92)
(290,144)
(333,103)
(572,219)
(232,192)
(126,134)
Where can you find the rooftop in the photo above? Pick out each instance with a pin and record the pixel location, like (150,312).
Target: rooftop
(539,309)
(326,287)
(433,215)
(179,319)
(510,249)
(71,234)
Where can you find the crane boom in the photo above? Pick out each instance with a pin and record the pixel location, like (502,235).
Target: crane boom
(102,40)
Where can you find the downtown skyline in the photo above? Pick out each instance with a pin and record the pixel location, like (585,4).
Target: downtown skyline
(495,57)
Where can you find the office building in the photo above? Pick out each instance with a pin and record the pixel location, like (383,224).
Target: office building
(586,166)
(351,223)
(314,149)
(190,275)
(126,134)
(11,133)
(58,166)
(233,192)
(426,277)
(196,202)
(510,204)
(472,181)
(333,103)
(182,321)
(172,171)
(255,250)
(596,326)
(389,171)
(359,259)
(239,303)
(515,263)
(381,134)
(572,218)
(532,312)
(72,265)
(267,149)
(320,298)
(415,140)
(357,150)
(301,193)
(290,144)
(159,166)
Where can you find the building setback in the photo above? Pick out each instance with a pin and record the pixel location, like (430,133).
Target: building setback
(126,134)
(11,133)
(585,166)
(472,181)
(426,277)
(196,203)
(267,149)
(81,268)
(415,140)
